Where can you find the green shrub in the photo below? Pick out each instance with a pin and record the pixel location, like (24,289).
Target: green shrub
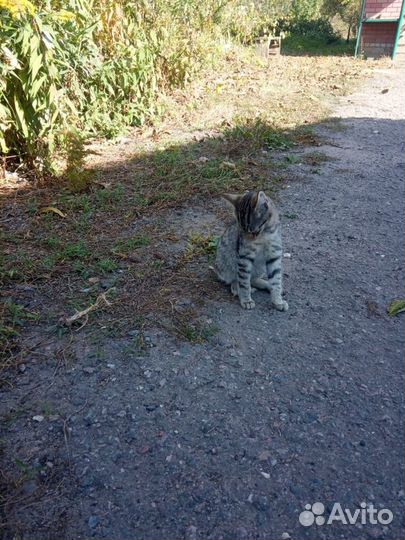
(313,28)
(95,66)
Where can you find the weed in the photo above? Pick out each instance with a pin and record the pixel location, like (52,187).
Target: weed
(53,242)
(28,472)
(293,159)
(316,158)
(125,245)
(106,265)
(201,245)
(17,314)
(48,409)
(107,197)
(77,250)
(157,264)
(48,262)
(258,133)
(196,332)
(84,270)
(290,215)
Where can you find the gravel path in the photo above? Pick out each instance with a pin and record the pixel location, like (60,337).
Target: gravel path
(231,439)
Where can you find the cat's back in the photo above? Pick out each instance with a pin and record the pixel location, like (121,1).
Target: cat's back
(226,259)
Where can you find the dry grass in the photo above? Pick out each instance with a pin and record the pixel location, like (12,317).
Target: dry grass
(217,135)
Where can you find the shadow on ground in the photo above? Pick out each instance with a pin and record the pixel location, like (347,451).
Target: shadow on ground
(122,430)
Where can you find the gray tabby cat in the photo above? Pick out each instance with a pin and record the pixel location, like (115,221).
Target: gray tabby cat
(249,252)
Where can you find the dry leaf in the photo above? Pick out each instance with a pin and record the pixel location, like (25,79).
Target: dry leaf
(52,209)
(228,164)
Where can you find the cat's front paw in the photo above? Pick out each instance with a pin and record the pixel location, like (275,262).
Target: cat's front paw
(247,304)
(281,305)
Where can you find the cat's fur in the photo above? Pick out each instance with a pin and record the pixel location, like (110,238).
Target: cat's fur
(249,252)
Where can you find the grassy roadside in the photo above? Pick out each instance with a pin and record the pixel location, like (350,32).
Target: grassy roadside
(302,45)
(63,248)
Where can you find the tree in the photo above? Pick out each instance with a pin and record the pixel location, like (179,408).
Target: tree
(348,10)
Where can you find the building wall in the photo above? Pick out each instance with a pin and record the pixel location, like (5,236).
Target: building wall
(377,39)
(383,9)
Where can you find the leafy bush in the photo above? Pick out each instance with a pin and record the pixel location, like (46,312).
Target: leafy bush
(94,66)
(30,86)
(313,28)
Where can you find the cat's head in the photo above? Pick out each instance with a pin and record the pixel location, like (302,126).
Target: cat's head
(254,210)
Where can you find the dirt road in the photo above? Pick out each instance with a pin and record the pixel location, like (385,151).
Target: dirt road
(232,438)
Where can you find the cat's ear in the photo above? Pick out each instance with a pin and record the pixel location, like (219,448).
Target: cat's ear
(261,198)
(274,218)
(233,199)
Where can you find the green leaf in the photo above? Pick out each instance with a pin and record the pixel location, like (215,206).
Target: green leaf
(35,64)
(36,85)
(397,306)
(20,117)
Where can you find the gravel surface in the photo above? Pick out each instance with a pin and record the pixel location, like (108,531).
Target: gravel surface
(232,438)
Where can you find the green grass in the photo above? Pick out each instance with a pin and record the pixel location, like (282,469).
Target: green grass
(199,244)
(106,265)
(127,245)
(292,159)
(17,314)
(106,197)
(196,332)
(258,133)
(76,250)
(290,215)
(318,46)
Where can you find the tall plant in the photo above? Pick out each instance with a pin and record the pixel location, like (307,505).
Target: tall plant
(29,81)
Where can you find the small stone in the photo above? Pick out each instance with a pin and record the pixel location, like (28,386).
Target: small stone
(191,533)
(285,536)
(22,368)
(265,474)
(111,366)
(93,280)
(49,464)
(264,456)
(250,498)
(339,341)
(287,255)
(273,462)
(162,382)
(89,370)
(38,418)
(147,373)
(53,417)
(93,521)
(122,414)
